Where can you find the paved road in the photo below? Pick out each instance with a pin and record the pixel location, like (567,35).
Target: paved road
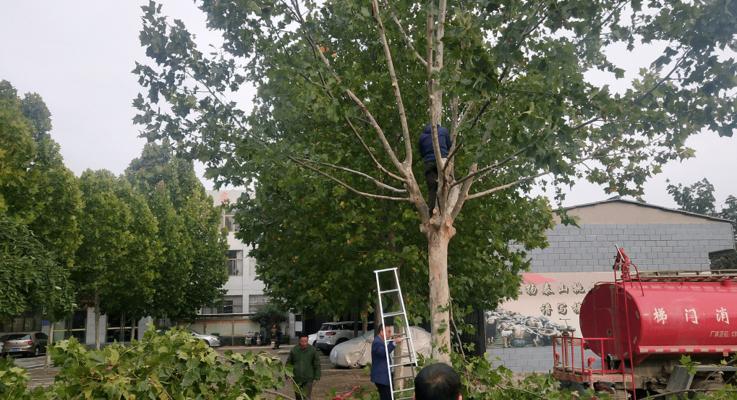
(40,376)
(30,362)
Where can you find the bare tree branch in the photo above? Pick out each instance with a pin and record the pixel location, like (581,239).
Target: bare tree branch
(665,78)
(347,186)
(453,131)
(483,171)
(377,182)
(407,39)
(463,194)
(440,34)
(395,84)
(370,153)
(435,92)
(275,393)
(505,186)
(528,31)
(380,132)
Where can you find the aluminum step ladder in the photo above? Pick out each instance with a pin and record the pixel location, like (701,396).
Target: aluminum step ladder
(408,359)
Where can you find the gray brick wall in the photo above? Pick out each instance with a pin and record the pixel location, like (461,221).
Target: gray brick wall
(651,247)
(531,359)
(523,359)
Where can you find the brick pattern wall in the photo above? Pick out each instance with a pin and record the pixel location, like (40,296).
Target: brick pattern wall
(651,247)
(590,248)
(532,359)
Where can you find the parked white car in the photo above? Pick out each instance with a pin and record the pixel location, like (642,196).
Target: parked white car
(211,340)
(312,339)
(335,333)
(356,353)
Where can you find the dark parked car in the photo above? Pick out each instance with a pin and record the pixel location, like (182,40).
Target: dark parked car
(33,343)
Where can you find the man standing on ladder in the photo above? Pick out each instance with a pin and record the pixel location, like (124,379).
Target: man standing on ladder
(380,375)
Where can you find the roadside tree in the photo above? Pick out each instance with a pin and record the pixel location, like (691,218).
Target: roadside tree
(506,77)
(40,204)
(114,270)
(191,272)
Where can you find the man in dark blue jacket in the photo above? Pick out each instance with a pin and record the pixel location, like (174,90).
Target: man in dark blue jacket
(380,374)
(428,157)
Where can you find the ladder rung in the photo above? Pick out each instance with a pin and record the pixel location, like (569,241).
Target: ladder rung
(389,291)
(378,271)
(404,398)
(392,314)
(403,390)
(409,364)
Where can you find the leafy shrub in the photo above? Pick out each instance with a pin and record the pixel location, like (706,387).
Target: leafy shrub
(173,365)
(13,381)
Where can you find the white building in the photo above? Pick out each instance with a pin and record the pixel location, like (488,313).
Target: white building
(244,292)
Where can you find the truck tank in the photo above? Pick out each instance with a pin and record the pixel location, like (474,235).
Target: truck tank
(661,318)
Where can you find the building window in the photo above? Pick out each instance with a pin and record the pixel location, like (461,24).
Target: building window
(229,305)
(232,305)
(256,302)
(229,223)
(235,262)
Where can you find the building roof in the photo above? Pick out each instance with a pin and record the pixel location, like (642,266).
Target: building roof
(221,197)
(618,199)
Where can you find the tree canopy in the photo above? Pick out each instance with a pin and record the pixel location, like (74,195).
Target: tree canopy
(39,207)
(697,197)
(345,87)
(31,280)
(191,271)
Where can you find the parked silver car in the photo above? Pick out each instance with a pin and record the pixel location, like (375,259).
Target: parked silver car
(211,340)
(356,352)
(33,343)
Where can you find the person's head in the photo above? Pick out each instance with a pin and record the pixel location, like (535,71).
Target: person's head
(438,382)
(384,331)
(303,340)
(441,130)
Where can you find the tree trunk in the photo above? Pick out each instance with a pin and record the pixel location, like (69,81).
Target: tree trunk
(121,331)
(48,344)
(97,321)
(364,320)
(438,238)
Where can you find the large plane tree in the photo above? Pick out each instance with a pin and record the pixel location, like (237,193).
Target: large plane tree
(506,77)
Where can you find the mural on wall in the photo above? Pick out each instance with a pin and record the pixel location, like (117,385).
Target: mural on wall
(548,305)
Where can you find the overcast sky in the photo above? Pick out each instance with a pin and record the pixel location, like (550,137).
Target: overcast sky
(78,56)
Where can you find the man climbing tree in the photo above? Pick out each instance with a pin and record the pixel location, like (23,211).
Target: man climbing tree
(427,152)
